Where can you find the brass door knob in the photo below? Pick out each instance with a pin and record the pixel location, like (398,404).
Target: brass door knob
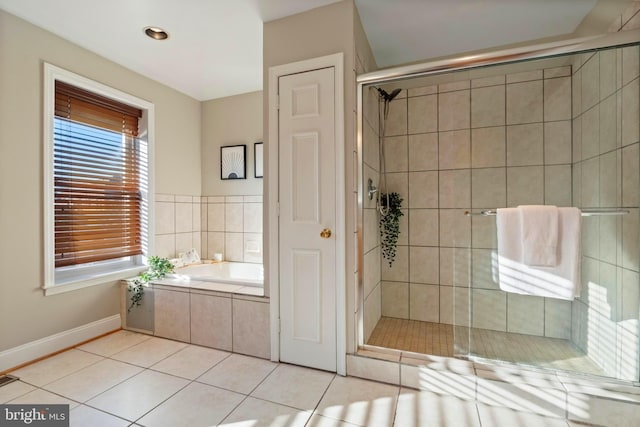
(325,234)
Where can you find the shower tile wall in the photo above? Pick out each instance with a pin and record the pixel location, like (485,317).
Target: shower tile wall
(371,237)
(606,162)
(471,145)
(364,63)
(232,226)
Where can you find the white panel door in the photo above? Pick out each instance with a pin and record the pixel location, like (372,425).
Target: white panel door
(307,207)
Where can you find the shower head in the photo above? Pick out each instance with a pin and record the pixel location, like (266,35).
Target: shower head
(388,96)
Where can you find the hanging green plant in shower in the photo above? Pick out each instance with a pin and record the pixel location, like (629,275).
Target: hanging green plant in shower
(390,214)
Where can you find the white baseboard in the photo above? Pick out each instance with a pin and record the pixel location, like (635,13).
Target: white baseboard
(36,349)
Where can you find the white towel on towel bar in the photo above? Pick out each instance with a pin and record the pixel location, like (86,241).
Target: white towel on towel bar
(539,232)
(561,281)
(508,226)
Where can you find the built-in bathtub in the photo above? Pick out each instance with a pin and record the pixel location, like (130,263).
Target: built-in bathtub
(219,305)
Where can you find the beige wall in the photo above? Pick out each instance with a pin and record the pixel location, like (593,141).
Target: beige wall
(319,32)
(25,314)
(232,120)
(364,55)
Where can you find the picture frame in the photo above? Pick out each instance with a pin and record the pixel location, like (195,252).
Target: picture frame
(233,163)
(258,160)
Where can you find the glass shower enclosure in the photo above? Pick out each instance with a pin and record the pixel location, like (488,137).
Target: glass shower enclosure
(457,140)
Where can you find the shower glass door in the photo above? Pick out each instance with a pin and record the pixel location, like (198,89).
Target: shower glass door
(566,134)
(560,131)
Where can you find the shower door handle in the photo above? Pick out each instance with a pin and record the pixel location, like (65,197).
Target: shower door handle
(326,233)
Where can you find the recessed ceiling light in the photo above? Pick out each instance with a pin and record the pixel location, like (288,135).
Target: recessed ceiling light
(156,33)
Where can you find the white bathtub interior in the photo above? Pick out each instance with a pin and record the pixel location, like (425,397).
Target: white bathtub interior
(235,273)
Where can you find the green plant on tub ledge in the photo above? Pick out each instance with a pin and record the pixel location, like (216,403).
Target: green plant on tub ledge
(158,269)
(390,214)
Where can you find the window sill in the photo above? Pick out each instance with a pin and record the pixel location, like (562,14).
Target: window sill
(93,280)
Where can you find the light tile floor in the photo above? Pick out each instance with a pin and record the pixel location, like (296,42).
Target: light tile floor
(413,335)
(438,339)
(129,379)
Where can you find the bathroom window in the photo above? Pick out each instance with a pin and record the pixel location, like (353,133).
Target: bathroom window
(97,182)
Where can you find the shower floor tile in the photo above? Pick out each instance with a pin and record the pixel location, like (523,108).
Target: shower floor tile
(438,340)
(413,335)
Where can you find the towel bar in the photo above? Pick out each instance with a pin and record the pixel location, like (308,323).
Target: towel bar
(585,212)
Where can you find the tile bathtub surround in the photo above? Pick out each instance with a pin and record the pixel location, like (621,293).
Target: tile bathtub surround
(191,385)
(480,144)
(219,319)
(177,222)
(232,226)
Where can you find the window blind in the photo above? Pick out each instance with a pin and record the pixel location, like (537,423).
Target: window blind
(96,178)
(86,107)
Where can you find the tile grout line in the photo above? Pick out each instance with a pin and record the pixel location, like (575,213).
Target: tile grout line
(133,376)
(190,381)
(258,398)
(324,393)
(64,376)
(163,401)
(101,410)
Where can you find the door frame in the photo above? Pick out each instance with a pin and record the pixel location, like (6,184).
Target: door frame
(275,72)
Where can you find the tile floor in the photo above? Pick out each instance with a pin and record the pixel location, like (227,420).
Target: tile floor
(413,335)
(438,339)
(129,379)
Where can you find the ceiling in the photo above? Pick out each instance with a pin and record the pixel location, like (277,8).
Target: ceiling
(420,29)
(215,46)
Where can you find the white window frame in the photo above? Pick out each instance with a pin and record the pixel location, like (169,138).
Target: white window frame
(67,279)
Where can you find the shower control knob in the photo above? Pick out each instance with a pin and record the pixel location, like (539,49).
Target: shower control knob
(325,234)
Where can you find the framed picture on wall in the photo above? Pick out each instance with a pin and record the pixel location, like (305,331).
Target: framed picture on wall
(258,162)
(232,162)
